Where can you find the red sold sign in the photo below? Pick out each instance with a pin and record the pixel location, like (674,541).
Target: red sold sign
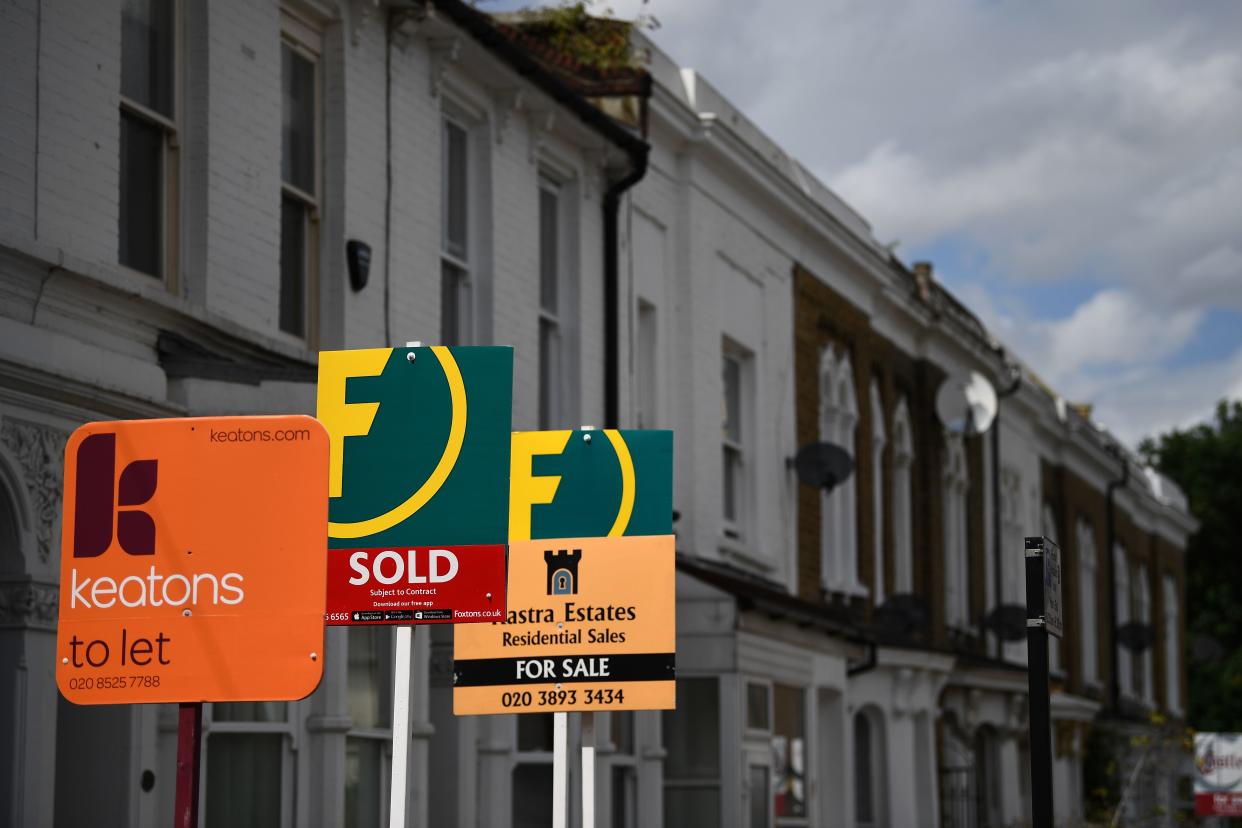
(449,584)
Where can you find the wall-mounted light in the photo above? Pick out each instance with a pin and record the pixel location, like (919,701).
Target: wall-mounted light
(358,255)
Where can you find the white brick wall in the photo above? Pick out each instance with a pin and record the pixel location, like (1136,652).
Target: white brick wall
(79,127)
(18,100)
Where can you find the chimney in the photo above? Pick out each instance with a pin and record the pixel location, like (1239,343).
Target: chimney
(924,279)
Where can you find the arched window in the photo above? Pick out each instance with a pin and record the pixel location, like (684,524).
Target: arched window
(1172,651)
(903,500)
(877,488)
(1121,600)
(838,423)
(869,768)
(956,577)
(1084,543)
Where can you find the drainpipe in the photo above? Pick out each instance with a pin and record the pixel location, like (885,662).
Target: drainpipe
(997,553)
(1110,523)
(612,287)
(638,154)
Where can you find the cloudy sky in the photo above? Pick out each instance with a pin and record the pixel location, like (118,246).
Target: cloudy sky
(1073,170)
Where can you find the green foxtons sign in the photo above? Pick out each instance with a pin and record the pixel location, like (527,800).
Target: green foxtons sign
(591,484)
(419,442)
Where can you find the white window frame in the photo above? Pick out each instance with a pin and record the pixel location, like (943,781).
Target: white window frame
(287,729)
(647,363)
(903,499)
(1088,609)
(306,40)
(807,774)
(170,173)
(838,423)
(462,261)
(737,531)
(879,438)
(714,783)
(380,735)
(956,483)
(561,409)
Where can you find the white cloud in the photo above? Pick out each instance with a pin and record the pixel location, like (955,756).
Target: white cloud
(1052,139)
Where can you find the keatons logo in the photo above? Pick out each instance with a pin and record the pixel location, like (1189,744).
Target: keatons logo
(562,571)
(101,499)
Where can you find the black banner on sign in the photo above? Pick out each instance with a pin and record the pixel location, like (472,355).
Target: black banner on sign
(486,672)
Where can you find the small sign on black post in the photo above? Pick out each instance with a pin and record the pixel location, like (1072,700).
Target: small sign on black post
(1043,616)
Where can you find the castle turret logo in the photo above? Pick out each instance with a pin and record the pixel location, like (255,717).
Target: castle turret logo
(562,571)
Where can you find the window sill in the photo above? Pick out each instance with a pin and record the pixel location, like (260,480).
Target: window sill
(856,589)
(734,550)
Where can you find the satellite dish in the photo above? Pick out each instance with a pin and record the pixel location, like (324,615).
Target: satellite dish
(902,612)
(966,404)
(1008,621)
(823,465)
(1136,636)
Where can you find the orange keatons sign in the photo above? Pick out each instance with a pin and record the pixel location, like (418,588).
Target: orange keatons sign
(590,626)
(192,560)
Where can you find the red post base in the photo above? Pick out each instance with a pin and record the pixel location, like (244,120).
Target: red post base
(189,747)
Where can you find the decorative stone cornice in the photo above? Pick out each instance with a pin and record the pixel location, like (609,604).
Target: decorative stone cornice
(26,604)
(39,450)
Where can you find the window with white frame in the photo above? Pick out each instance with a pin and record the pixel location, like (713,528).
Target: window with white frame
(869,767)
(1121,601)
(956,482)
(455,236)
(646,367)
(789,754)
(552,305)
(903,500)
(532,775)
(736,430)
(147,231)
(1142,599)
(299,175)
(1084,545)
(838,423)
(1048,525)
(368,744)
(249,777)
(623,771)
(878,440)
(692,763)
(1172,649)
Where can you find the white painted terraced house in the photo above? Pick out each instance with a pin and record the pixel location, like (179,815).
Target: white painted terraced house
(181,184)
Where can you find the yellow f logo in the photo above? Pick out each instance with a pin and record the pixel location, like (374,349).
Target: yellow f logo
(343,419)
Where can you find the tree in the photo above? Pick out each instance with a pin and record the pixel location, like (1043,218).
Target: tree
(1206,462)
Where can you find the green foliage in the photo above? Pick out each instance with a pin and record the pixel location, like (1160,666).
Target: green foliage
(587,34)
(1206,461)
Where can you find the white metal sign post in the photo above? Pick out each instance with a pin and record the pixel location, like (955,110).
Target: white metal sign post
(588,769)
(400,727)
(400,716)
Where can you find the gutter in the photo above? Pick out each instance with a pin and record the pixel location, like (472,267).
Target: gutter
(480,26)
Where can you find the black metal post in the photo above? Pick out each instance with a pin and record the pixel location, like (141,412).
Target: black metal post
(1040,713)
